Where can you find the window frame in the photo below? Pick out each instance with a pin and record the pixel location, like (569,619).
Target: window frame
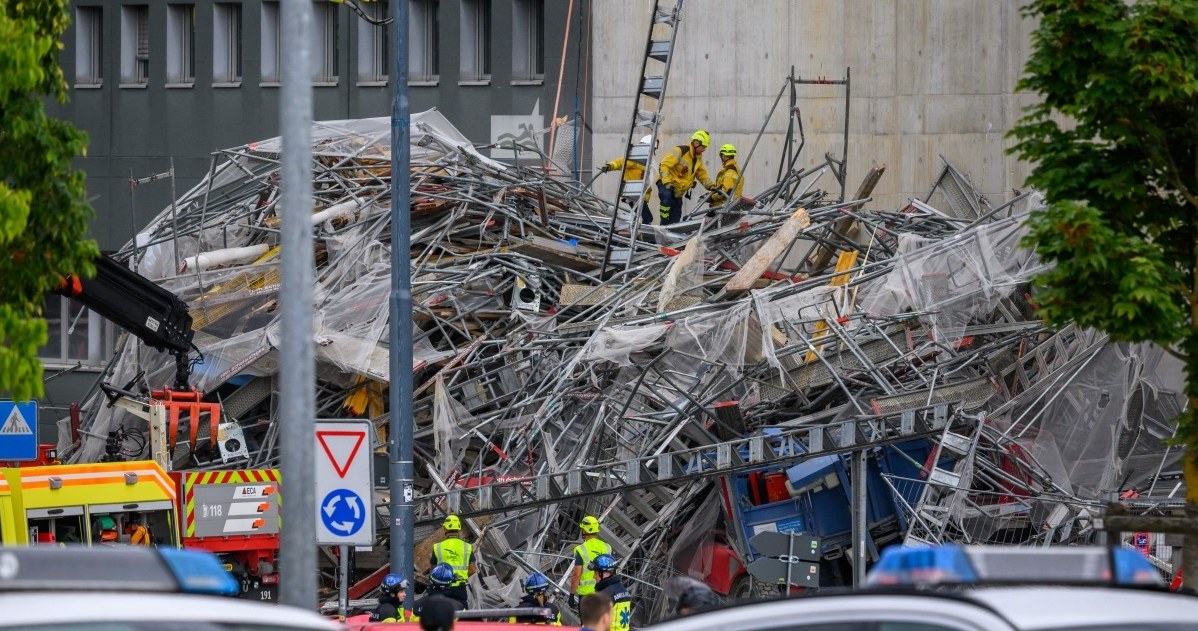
(424,55)
(98,336)
(475,43)
(89,46)
(135,45)
(180,45)
(325,71)
(374,46)
(271,34)
(528,42)
(227,37)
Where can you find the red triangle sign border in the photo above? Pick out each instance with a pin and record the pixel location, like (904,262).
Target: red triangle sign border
(340,468)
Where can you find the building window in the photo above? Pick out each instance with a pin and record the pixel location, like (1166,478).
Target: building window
(181,44)
(89,45)
(372,44)
(423,62)
(325,17)
(476,40)
(77,335)
(271,28)
(135,44)
(226,43)
(528,40)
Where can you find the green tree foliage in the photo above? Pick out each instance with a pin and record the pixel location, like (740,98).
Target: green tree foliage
(43,203)
(1114,144)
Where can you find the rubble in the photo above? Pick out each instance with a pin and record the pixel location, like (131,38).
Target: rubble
(789,328)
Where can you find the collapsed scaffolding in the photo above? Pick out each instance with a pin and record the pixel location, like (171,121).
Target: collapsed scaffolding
(790,327)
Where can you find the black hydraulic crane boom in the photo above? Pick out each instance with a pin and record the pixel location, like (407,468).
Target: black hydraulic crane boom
(135,303)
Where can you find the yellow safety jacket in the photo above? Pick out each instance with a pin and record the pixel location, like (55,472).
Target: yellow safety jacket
(680,168)
(728,179)
(457,554)
(634,172)
(140,536)
(586,552)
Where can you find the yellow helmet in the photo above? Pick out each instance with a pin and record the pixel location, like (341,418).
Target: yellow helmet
(703,137)
(589,525)
(728,150)
(452,523)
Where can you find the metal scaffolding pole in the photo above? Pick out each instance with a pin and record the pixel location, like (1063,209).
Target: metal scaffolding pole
(297,444)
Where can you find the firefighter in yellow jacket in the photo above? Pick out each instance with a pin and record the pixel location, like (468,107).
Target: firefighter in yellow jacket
(456,553)
(728,179)
(634,171)
(582,581)
(682,168)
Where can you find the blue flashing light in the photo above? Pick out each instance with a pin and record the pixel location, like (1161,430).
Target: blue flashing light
(922,566)
(1005,565)
(1133,568)
(200,572)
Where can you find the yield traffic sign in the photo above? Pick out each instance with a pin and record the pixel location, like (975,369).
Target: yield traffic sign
(18,431)
(344,510)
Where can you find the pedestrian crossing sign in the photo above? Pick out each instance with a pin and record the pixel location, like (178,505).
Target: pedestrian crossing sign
(18,431)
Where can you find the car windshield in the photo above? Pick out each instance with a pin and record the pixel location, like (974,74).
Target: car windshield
(151,625)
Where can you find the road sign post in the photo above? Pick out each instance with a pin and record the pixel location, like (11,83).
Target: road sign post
(344,508)
(18,431)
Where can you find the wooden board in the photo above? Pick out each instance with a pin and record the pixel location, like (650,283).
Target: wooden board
(743,280)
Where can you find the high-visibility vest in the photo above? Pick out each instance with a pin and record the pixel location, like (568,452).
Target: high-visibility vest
(457,554)
(587,551)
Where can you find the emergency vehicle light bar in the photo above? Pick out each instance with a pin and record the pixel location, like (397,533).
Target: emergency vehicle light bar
(1007,565)
(123,569)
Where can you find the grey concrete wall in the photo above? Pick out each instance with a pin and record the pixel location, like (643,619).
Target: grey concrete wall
(929,77)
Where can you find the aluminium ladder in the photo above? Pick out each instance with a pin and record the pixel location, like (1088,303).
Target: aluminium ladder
(646,111)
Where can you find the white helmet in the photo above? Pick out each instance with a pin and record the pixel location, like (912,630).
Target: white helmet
(646,140)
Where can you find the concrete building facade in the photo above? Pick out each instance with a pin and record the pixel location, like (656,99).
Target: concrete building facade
(928,78)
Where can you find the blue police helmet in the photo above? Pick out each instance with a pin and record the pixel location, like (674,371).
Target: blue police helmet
(536,583)
(394,582)
(604,563)
(442,574)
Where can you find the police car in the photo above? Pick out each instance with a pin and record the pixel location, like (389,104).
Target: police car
(132,589)
(955,588)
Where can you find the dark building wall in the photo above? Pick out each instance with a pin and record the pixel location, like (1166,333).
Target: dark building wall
(138,131)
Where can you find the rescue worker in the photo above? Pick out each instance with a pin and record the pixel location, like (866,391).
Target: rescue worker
(390,608)
(594,613)
(609,584)
(439,614)
(727,180)
(633,172)
(582,581)
(458,554)
(689,596)
(104,530)
(139,535)
(536,594)
(682,168)
(442,587)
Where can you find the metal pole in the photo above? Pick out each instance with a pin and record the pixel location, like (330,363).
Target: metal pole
(844,157)
(790,558)
(399,432)
(860,508)
(175,218)
(343,585)
(298,386)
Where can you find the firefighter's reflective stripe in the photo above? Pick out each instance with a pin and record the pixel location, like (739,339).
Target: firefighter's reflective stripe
(589,549)
(457,554)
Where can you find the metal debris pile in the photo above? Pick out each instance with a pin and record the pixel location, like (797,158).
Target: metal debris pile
(781,334)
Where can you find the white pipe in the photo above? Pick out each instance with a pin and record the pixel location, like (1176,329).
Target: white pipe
(216,258)
(335,211)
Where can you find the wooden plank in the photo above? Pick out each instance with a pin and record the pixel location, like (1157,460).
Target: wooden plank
(743,280)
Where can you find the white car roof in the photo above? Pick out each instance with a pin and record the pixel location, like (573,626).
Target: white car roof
(1045,607)
(23,609)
